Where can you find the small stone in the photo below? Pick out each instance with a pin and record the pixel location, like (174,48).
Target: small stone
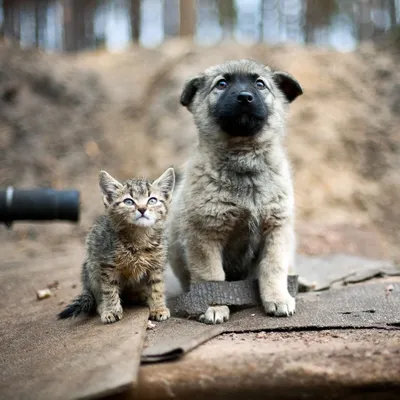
(388,290)
(253,315)
(43,294)
(74,286)
(261,335)
(150,325)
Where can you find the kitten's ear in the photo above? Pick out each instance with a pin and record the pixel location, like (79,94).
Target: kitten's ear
(108,186)
(166,182)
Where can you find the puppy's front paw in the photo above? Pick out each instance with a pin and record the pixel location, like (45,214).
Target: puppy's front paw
(280,305)
(215,315)
(160,314)
(111,316)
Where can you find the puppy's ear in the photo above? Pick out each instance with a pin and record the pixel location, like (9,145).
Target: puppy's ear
(108,186)
(190,89)
(288,85)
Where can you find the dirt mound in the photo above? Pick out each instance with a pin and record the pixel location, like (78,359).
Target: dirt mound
(63,118)
(47,114)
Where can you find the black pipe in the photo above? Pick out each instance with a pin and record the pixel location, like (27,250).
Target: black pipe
(38,205)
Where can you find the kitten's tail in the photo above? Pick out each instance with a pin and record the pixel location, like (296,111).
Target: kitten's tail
(83,304)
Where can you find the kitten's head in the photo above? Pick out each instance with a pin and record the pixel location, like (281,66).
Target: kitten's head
(137,202)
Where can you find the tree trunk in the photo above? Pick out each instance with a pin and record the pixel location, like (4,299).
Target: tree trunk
(79,23)
(227,17)
(134,12)
(318,14)
(392,13)
(11,19)
(88,21)
(74,25)
(68,25)
(40,8)
(187,18)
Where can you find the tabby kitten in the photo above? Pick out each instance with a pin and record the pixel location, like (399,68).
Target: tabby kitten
(126,249)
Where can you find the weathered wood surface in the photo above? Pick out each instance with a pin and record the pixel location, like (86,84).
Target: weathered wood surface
(368,306)
(45,358)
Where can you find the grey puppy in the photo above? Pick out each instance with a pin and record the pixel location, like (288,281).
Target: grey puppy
(232,216)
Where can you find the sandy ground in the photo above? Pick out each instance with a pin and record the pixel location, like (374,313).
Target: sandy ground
(63,118)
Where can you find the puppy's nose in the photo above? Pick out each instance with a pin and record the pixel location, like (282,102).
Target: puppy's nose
(142,210)
(245,97)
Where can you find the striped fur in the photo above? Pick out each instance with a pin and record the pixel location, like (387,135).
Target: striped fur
(126,249)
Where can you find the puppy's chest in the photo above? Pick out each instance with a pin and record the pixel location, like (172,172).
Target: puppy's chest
(242,202)
(135,263)
(241,195)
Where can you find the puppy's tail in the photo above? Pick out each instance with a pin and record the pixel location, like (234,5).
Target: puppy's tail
(83,304)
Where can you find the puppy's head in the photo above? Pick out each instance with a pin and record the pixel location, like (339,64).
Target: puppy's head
(239,99)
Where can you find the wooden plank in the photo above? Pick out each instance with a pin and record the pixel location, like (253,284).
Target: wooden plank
(45,358)
(368,306)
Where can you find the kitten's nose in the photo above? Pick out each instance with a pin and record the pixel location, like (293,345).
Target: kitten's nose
(142,210)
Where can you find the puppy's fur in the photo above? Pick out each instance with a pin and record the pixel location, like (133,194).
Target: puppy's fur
(233,213)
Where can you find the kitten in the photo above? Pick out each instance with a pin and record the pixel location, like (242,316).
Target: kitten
(126,249)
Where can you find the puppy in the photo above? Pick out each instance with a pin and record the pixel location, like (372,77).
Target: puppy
(232,216)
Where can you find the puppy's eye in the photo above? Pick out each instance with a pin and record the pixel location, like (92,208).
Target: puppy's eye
(260,84)
(222,84)
(129,202)
(152,201)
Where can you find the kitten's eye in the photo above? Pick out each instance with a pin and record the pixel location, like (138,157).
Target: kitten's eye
(129,202)
(222,84)
(260,84)
(152,201)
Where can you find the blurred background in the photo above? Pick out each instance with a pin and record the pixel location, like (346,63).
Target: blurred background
(90,85)
(73,25)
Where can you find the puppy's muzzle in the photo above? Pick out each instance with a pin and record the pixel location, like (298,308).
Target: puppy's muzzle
(240,112)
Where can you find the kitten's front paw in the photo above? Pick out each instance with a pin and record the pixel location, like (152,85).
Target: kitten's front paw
(160,314)
(111,316)
(215,315)
(282,305)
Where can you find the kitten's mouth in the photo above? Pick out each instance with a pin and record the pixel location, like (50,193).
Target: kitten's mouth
(143,221)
